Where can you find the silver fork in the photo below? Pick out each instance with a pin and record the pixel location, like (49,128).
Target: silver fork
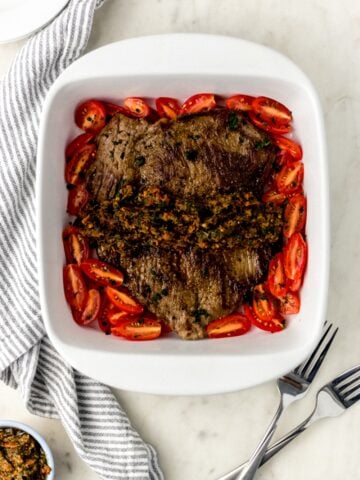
(292,387)
(332,400)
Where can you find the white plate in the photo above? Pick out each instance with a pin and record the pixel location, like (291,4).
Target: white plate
(20,18)
(179,65)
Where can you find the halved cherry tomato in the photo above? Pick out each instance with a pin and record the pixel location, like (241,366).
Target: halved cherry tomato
(111,109)
(77,199)
(76,245)
(90,116)
(79,163)
(294,285)
(123,300)
(167,107)
(229,326)
(271,110)
(295,257)
(289,304)
(263,304)
(77,143)
(294,215)
(137,107)
(290,177)
(289,146)
(201,102)
(273,196)
(274,324)
(103,318)
(116,318)
(145,328)
(242,103)
(91,309)
(102,273)
(282,158)
(276,276)
(74,286)
(267,125)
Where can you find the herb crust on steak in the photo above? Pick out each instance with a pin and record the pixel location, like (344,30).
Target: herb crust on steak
(176,205)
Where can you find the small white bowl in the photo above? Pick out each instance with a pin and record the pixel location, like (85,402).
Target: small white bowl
(180,65)
(41,441)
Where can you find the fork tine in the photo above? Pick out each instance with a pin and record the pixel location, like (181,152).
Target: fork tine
(351,391)
(300,368)
(352,400)
(341,388)
(345,375)
(317,357)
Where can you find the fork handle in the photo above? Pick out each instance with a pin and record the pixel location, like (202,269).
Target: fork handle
(271,451)
(249,470)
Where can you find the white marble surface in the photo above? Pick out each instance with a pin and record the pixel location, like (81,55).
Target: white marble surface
(200,438)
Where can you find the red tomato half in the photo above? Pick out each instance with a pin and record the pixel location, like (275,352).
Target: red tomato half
(294,215)
(267,125)
(167,107)
(242,103)
(103,318)
(74,286)
(77,199)
(91,309)
(273,196)
(276,276)
(294,285)
(111,109)
(137,107)
(290,304)
(271,110)
(75,245)
(290,177)
(123,301)
(116,318)
(79,163)
(90,116)
(295,257)
(201,102)
(145,328)
(289,146)
(263,304)
(274,324)
(229,326)
(77,143)
(102,273)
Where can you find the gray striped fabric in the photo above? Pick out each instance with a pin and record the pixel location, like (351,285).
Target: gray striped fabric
(98,427)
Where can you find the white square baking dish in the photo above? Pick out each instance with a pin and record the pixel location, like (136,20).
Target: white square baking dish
(179,65)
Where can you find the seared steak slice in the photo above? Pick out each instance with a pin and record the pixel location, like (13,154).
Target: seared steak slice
(195,155)
(189,289)
(205,156)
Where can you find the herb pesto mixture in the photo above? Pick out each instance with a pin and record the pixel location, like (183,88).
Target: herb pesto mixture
(152,217)
(21,457)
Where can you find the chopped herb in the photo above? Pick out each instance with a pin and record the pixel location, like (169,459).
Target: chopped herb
(147,289)
(262,144)
(156,297)
(200,312)
(191,155)
(233,121)
(164,292)
(155,274)
(140,161)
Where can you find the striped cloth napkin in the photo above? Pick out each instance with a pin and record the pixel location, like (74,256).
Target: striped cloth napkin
(96,424)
